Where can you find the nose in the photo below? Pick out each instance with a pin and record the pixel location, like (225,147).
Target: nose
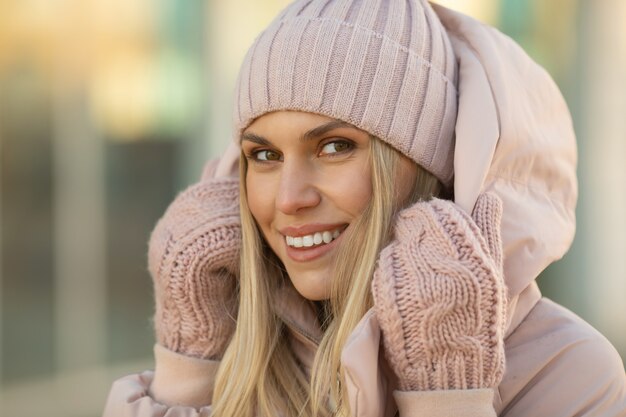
(297,189)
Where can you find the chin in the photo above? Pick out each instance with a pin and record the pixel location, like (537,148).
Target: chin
(312,286)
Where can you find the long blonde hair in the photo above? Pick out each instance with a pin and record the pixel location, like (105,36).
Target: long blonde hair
(259,374)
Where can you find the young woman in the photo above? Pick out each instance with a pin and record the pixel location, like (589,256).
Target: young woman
(369,243)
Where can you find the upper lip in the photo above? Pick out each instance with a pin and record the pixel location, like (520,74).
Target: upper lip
(309,229)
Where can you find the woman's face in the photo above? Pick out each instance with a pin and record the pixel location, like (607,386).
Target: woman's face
(308,179)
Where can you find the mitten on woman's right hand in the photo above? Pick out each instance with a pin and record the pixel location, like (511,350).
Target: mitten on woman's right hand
(194,260)
(440,297)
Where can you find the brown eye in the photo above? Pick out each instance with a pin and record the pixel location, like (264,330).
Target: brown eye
(267,155)
(336,147)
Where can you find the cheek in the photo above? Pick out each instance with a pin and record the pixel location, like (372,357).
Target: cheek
(351,190)
(358,195)
(260,200)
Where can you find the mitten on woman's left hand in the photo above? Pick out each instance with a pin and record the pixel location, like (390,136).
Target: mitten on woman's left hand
(440,297)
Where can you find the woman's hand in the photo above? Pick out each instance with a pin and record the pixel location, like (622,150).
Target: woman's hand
(440,296)
(194,260)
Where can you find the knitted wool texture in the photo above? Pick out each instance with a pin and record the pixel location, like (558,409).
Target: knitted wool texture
(385,66)
(440,296)
(193,259)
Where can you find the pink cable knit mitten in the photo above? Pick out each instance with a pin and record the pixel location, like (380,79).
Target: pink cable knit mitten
(194,260)
(440,296)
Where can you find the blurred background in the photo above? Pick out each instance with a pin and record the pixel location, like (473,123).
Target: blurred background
(108,108)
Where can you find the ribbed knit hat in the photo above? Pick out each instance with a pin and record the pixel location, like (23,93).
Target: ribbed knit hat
(385,66)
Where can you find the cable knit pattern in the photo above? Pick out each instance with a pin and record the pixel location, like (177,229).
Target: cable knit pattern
(194,259)
(440,296)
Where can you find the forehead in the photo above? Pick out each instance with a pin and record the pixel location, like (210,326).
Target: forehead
(285,119)
(279,125)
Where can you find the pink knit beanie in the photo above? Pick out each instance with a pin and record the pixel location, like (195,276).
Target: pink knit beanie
(385,66)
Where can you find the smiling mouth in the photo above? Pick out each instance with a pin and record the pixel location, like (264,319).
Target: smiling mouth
(314,239)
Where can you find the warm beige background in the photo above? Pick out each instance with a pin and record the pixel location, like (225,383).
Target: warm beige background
(109,107)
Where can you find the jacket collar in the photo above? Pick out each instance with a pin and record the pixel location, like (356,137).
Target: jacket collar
(369,380)
(302,323)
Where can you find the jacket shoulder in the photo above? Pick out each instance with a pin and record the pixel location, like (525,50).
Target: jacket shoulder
(559,365)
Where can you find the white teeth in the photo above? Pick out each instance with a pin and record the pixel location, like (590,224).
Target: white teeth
(315,239)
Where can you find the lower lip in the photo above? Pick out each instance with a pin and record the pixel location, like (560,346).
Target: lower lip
(311,253)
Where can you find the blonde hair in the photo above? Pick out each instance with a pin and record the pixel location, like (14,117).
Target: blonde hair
(259,374)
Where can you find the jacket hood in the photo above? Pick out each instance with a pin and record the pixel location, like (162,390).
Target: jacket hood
(514,137)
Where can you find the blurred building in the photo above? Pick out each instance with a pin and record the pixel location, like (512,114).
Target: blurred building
(109,108)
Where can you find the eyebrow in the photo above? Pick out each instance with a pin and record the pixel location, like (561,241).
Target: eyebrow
(308,135)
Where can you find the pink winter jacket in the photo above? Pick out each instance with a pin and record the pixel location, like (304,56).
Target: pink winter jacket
(514,137)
